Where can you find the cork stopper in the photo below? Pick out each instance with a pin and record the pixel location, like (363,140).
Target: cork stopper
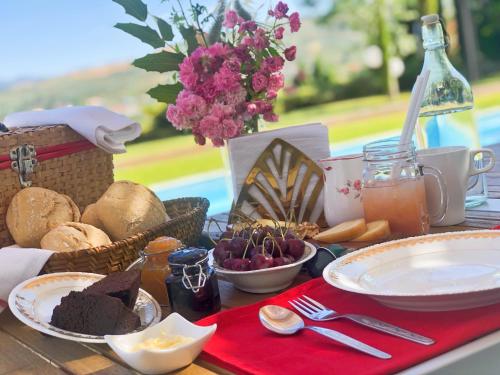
(429,19)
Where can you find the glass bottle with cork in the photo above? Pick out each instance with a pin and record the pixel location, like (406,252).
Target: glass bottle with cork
(446,116)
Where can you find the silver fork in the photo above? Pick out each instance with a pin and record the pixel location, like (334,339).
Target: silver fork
(316,311)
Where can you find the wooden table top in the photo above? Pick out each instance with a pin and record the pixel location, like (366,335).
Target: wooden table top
(25,351)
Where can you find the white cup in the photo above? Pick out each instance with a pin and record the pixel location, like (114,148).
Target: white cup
(342,191)
(456,165)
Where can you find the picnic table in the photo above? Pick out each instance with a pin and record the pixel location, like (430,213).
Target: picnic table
(26,351)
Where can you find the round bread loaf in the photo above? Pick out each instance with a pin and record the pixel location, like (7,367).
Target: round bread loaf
(127,208)
(90,217)
(74,236)
(35,211)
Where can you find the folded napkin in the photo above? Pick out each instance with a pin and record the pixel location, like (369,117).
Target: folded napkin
(243,346)
(104,128)
(17,265)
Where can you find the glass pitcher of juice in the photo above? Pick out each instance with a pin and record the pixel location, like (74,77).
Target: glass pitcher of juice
(394,189)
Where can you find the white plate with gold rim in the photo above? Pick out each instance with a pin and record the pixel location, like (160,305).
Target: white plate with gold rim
(437,272)
(33,301)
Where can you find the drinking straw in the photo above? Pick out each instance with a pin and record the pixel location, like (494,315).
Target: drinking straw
(417,95)
(416,98)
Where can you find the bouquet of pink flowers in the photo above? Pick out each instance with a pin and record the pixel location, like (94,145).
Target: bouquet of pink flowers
(229,84)
(226,86)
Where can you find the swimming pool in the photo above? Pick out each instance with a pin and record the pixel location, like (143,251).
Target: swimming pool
(216,186)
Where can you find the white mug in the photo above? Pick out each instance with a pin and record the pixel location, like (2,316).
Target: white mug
(456,165)
(343,176)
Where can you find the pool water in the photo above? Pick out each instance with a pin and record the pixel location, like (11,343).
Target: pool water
(216,187)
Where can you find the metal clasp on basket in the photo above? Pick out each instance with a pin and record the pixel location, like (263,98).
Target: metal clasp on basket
(23,162)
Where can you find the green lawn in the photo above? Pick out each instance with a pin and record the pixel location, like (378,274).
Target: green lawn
(171,158)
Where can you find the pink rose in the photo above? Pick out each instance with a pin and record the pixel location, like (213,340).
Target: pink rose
(294,22)
(259,82)
(231,19)
(276,81)
(252,109)
(278,33)
(247,26)
(357,184)
(280,10)
(271,117)
(273,64)
(290,53)
(271,95)
(260,39)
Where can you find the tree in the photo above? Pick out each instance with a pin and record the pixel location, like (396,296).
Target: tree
(385,24)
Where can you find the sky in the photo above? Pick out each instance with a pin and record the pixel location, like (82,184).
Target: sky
(46,38)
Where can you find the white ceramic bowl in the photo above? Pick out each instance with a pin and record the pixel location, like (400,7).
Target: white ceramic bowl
(158,361)
(269,279)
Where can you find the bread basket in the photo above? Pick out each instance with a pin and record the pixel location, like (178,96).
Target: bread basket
(187,215)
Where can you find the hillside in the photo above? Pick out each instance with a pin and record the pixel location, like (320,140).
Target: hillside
(119,87)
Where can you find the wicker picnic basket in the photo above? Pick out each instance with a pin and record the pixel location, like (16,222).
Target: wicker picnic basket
(57,158)
(54,157)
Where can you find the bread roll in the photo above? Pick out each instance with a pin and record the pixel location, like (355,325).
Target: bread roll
(127,208)
(74,236)
(90,217)
(34,211)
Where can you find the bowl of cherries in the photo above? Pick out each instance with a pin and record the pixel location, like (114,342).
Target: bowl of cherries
(260,259)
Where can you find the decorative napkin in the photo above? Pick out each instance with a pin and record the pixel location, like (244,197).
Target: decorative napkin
(243,346)
(311,139)
(104,128)
(17,265)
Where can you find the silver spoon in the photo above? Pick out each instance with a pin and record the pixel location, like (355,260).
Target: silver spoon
(286,322)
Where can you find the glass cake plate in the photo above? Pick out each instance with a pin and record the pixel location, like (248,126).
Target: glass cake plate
(33,301)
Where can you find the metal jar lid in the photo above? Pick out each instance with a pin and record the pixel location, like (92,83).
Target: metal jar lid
(190,263)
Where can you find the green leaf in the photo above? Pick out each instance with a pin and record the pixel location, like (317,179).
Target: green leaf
(165,93)
(165,29)
(144,33)
(162,62)
(136,8)
(189,35)
(273,51)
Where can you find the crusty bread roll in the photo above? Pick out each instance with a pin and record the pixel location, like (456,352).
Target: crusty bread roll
(34,211)
(74,236)
(127,208)
(90,217)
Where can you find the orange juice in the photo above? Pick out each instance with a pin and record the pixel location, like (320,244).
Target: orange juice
(401,202)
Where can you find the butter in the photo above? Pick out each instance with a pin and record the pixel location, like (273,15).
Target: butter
(162,342)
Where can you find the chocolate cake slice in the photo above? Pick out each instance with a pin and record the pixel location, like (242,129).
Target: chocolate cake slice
(94,314)
(122,285)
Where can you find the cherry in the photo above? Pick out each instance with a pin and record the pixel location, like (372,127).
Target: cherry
(228,263)
(261,261)
(237,247)
(282,244)
(238,264)
(221,251)
(228,234)
(281,261)
(295,248)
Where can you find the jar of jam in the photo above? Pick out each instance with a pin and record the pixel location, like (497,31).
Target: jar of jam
(192,286)
(154,267)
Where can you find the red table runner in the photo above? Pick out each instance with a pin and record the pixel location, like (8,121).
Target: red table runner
(243,346)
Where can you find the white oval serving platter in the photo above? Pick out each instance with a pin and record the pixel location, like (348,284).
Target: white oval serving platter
(437,272)
(33,301)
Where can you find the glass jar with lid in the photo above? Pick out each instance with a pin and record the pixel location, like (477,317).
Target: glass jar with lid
(192,287)
(154,267)
(394,190)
